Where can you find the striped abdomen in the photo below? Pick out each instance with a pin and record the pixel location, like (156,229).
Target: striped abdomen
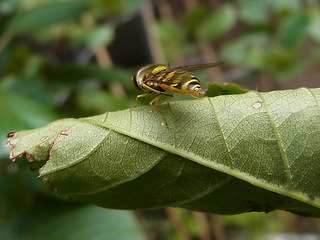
(191,86)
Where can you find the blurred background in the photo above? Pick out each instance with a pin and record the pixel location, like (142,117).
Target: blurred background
(76,58)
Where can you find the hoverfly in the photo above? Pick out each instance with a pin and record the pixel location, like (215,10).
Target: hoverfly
(158,78)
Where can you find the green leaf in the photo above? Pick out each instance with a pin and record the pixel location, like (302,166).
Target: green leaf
(45,15)
(314,26)
(220,22)
(120,6)
(254,12)
(50,219)
(8,6)
(97,101)
(195,17)
(259,11)
(4,57)
(291,6)
(227,154)
(293,31)
(249,50)
(76,72)
(216,89)
(33,87)
(97,37)
(173,38)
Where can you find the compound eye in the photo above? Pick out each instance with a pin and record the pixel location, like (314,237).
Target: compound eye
(134,79)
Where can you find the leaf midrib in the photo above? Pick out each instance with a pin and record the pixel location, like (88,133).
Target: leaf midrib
(217,166)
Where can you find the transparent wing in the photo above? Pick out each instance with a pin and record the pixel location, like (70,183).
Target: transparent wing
(196,67)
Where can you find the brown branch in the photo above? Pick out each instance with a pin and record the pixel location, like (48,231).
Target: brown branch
(177,224)
(4,40)
(203,224)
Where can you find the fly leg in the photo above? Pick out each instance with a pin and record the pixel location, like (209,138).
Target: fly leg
(195,97)
(140,96)
(155,100)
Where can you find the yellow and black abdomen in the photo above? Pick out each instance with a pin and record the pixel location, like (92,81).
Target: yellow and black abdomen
(185,83)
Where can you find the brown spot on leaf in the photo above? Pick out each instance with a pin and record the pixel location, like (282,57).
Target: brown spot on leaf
(311,196)
(8,144)
(13,157)
(11,134)
(30,157)
(11,146)
(45,180)
(49,185)
(58,138)
(64,132)
(257,207)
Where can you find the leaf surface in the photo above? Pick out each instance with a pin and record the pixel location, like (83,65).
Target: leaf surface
(226,154)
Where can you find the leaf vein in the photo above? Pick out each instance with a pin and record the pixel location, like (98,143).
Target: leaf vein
(315,99)
(79,160)
(279,142)
(130,178)
(174,127)
(215,117)
(105,117)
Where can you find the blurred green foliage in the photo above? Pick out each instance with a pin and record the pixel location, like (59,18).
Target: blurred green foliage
(280,38)
(44,15)
(48,70)
(54,219)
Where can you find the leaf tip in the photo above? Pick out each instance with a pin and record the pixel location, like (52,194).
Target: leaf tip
(12,157)
(30,157)
(11,134)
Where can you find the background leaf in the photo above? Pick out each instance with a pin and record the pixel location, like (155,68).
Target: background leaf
(248,50)
(215,89)
(314,27)
(60,219)
(253,12)
(45,15)
(97,37)
(295,26)
(23,113)
(217,24)
(253,151)
(76,72)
